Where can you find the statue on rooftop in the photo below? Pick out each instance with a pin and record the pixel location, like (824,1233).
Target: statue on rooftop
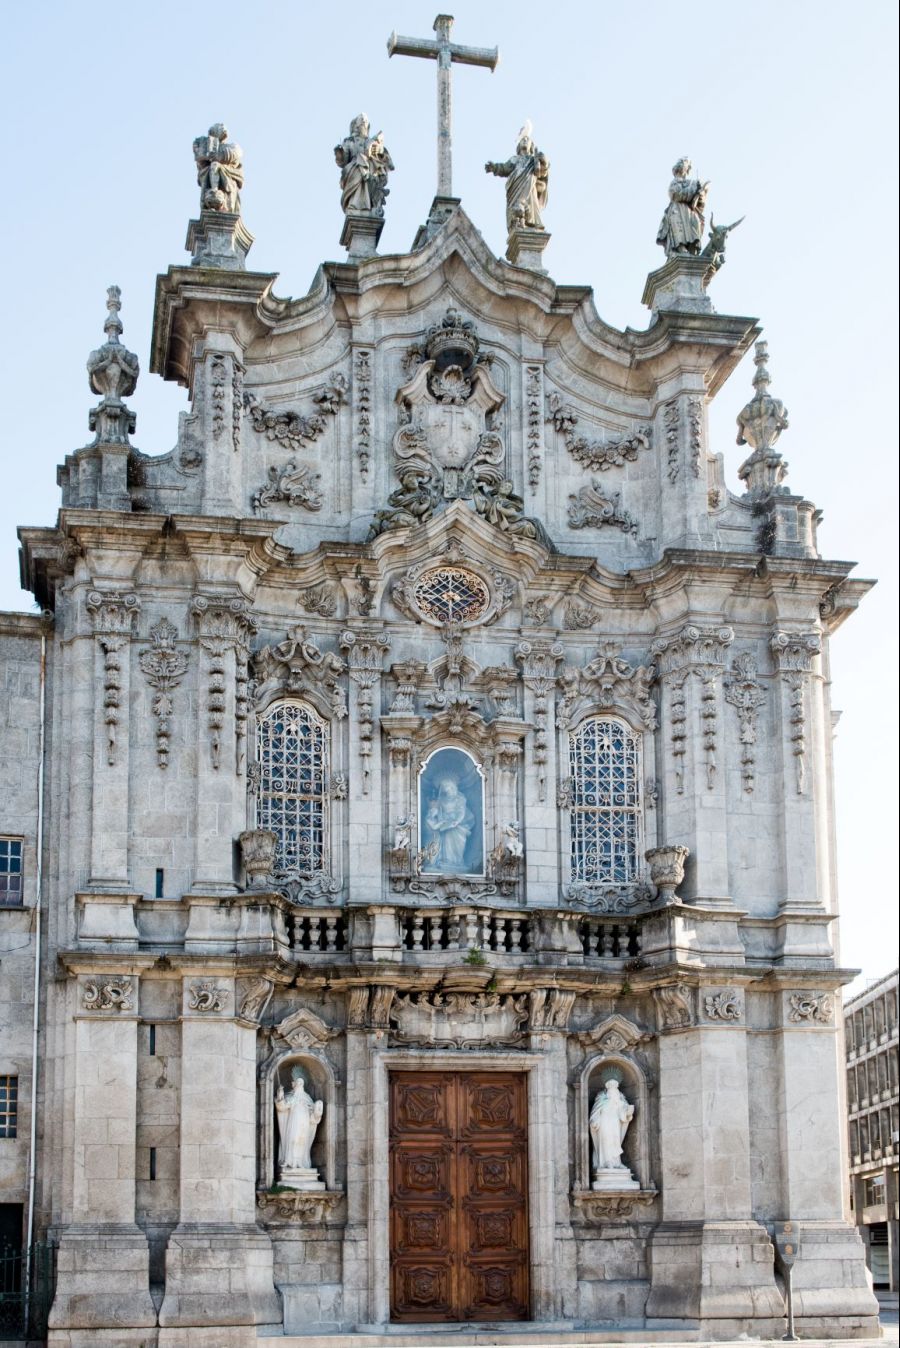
(365,163)
(220,170)
(681,228)
(527,176)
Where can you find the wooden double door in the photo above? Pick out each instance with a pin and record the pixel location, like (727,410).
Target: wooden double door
(459,1206)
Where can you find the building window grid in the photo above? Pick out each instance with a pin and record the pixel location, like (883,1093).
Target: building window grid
(9,1105)
(10,872)
(605,810)
(292,752)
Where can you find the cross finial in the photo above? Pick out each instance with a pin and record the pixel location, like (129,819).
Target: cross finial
(444,52)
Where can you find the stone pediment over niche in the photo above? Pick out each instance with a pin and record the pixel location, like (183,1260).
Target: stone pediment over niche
(615,1034)
(304,1029)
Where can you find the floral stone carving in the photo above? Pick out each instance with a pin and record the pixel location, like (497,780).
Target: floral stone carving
(110,994)
(258,847)
(592,508)
(595,454)
(458,1019)
(163,666)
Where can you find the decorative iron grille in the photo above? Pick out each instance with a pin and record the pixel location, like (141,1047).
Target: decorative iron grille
(605,810)
(451,594)
(292,751)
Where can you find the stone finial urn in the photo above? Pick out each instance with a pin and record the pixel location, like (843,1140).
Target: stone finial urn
(258,853)
(667,870)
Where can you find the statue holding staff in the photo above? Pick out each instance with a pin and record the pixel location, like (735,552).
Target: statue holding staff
(681,228)
(527,176)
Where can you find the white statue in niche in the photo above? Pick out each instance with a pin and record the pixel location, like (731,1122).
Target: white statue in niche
(299,1116)
(611,1115)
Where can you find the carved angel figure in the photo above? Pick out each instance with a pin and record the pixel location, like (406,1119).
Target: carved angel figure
(299,1116)
(527,176)
(681,228)
(220,170)
(365,164)
(611,1115)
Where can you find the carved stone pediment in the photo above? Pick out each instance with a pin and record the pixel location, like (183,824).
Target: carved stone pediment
(304,1029)
(298,666)
(459,1019)
(615,1034)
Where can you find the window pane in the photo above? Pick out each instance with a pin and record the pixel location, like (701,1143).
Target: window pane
(292,756)
(604,768)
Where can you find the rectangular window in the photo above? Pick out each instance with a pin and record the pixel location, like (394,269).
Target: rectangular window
(10,872)
(605,804)
(9,1105)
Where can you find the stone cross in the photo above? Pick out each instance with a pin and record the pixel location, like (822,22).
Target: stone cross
(444,52)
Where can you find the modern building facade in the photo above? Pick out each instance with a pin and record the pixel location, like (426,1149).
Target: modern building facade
(434,810)
(873,1097)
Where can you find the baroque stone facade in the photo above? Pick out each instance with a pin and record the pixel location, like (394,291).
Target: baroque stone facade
(433,711)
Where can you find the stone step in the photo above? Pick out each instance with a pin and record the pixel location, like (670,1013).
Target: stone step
(440,1336)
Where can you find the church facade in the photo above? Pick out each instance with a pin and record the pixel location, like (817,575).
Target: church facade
(435,831)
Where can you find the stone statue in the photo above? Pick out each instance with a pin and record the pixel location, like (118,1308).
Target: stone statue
(527,176)
(220,171)
(681,228)
(610,1117)
(365,164)
(450,822)
(715,247)
(299,1116)
(496,502)
(412,503)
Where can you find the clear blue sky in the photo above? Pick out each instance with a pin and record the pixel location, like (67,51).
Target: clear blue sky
(788,107)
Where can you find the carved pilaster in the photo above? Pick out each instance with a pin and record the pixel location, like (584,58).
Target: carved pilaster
(362,407)
(534,431)
(365,654)
(697,651)
(539,661)
(225,625)
(793,654)
(113,616)
(407,675)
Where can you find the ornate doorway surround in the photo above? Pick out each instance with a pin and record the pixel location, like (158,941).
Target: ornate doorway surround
(458,1196)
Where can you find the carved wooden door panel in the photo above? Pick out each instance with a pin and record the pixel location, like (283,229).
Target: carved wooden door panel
(459,1209)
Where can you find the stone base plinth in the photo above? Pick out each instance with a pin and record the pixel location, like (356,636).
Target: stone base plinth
(219,239)
(833,1294)
(219,1277)
(525,248)
(102,1281)
(360,235)
(679,287)
(721,1274)
(295,1178)
(614,1180)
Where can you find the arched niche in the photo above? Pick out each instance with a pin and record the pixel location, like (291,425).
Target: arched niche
(451,811)
(322,1085)
(635,1087)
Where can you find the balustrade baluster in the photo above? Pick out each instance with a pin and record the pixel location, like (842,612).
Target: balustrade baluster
(515,935)
(434,932)
(418,931)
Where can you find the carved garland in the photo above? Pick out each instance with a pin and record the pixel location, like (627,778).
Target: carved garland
(596,454)
(533,437)
(744,692)
(163,667)
(291,430)
(362,392)
(671,425)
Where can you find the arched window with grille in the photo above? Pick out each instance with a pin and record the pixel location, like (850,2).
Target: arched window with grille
(292,753)
(605,810)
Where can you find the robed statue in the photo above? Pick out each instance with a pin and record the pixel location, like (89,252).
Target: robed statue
(610,1117)
(527,176)
(681,228)
(220,171)
(365,163)
(299,1116)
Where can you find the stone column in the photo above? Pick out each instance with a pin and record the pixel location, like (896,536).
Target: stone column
(103,1280)
(830,1282)
(709,1259)
(365,652)
(691,664)
(219,381)
(225,627)
(680,431)
(539,661)
(113,616)
(218,1262)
